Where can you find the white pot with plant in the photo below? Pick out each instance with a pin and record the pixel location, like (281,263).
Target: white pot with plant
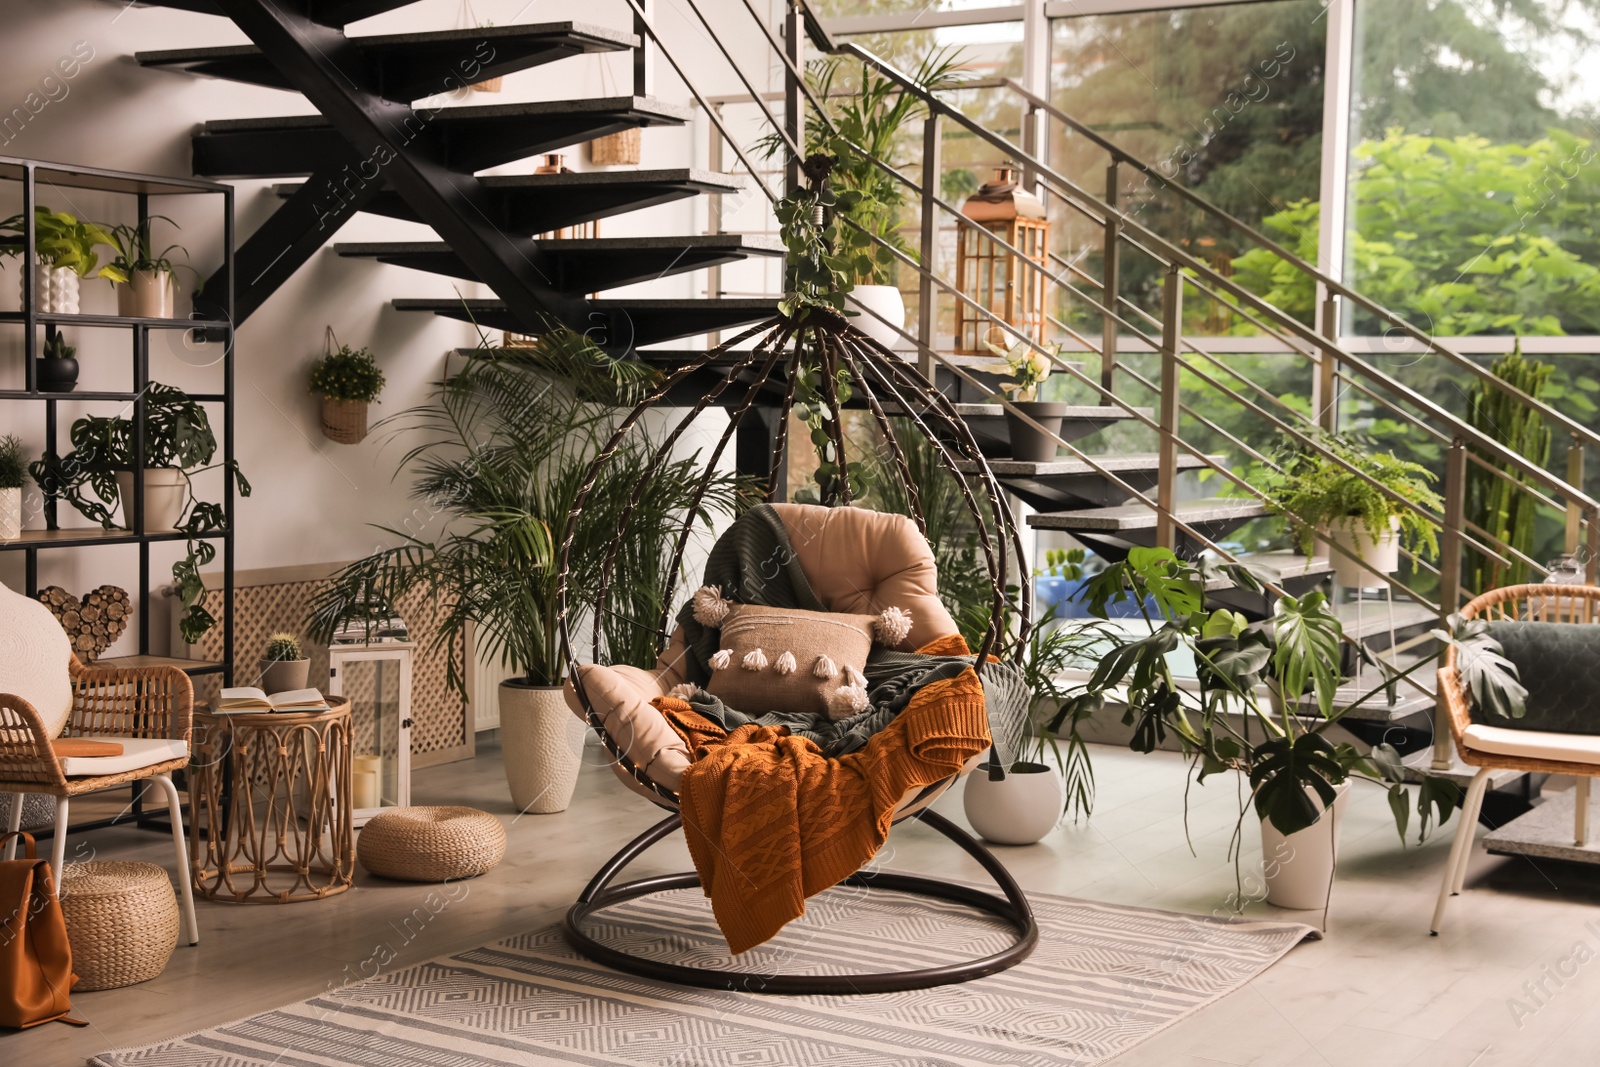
(284,667)
(13,475)
(64,252)
(506,445)
(1331,498)
(97,476)
(348,381)
(863,132)
(1286,768)
(148,292)
(1032,424)
(1029,801)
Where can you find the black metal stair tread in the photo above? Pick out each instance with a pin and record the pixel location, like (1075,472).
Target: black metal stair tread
(408,66)
(522,204)
(327,12)
(585,265)
(1140,517)
(627,323)
(1278,566)
(470,137)
(1096,413)
(1127,461)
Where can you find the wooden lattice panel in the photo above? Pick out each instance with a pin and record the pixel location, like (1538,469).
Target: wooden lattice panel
(440,722)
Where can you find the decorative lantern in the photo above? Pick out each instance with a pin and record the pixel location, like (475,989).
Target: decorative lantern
(994,277)
(376,679)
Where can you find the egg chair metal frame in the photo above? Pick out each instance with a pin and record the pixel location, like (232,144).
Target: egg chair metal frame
(817,340)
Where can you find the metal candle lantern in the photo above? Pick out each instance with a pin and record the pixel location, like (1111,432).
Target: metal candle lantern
(993,276)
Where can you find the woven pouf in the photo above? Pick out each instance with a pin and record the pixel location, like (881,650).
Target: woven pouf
(122,921)
(431,844)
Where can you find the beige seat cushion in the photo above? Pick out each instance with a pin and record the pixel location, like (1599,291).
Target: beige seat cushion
(137,752)
(35,659)
(1533,744)
(861,562)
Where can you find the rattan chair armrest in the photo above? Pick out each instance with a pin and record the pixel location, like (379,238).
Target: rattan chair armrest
(131,701)
(1457,702)
(25,755)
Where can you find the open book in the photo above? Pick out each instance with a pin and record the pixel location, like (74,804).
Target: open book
(250,699)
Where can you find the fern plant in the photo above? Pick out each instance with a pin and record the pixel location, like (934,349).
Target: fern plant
(1314,490)
(13,468)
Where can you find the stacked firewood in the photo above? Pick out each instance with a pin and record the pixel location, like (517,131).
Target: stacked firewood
(92,623)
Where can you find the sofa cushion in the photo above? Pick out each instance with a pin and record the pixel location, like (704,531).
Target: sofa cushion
(137,752)
(35,659)
(792,661)
(1532,744)
(1559,665)
(621,697)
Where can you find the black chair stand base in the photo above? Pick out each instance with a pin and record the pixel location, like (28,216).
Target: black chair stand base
(1013,908)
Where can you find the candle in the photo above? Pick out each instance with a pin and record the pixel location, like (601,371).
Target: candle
(364,789)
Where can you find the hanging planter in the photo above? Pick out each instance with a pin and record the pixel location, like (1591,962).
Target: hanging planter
(348,380)
(621,149)
(470,20)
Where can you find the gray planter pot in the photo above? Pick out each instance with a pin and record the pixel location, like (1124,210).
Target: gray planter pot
(283,675)
(1028,443)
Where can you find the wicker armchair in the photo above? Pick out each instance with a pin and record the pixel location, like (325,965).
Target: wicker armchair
(131,703)
(1492,748)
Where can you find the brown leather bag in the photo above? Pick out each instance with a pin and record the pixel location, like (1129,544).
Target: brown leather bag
(35,958)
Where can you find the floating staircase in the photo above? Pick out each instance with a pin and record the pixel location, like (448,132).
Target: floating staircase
(370,151)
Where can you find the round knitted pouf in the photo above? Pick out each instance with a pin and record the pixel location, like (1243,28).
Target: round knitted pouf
(122,921)
(431,844)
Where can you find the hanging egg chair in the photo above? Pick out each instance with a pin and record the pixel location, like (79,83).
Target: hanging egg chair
(815,365)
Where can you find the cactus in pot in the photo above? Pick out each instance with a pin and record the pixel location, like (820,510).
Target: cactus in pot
(283,665)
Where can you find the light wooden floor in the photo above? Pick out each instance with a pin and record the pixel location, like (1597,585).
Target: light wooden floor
(1377,992)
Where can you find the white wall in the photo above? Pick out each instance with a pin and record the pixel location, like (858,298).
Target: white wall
(313,500)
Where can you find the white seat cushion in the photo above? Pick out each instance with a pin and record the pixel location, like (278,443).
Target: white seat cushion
(1533,744)
(136,752)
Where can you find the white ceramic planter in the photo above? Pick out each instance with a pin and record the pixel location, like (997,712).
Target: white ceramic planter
(55,289)
(148,295)
(1020,808)
(166,493)
(1299,867)
(541,743)
(883,300)
(1378,558)
(10,513)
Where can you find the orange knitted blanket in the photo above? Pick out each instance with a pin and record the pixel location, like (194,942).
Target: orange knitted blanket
(771,821)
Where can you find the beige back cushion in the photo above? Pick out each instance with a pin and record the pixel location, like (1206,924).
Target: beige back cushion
(807,636)
(861,562)
(35,659)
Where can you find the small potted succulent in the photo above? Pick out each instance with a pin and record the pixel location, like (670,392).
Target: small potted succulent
(1028,370)
(64,249)
(56,367)
(1334,501)
(347,379)
(283,665)
(13,470)
(148,291)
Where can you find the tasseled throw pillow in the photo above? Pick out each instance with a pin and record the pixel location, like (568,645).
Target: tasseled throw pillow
(791,661)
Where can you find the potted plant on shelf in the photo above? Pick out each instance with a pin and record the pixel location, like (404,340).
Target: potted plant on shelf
(148,290)
(864,131)
(13,471)
(1331,495)
(98,474)
(64,250)
(348,380)
(283,666)
(56,366)
(1028,370)
(1227,721)
(508,441)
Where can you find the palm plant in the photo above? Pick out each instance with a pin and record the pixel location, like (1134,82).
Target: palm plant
(505,447)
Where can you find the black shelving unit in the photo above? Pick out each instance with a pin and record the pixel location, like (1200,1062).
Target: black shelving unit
(31,174)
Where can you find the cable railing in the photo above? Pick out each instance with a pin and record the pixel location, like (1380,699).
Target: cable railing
(1334,366)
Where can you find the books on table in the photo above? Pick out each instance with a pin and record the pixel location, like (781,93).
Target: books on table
(250,700)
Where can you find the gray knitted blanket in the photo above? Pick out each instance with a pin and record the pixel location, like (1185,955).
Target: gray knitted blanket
(754,564)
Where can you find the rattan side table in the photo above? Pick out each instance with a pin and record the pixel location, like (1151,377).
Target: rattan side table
(271,820)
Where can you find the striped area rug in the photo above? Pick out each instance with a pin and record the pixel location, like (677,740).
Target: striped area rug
(1103,978)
